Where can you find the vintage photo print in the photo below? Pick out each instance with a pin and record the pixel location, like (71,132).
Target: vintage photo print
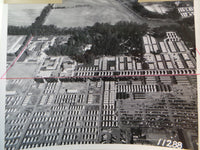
(101,72)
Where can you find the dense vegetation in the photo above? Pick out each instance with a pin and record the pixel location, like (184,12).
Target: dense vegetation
(106,39)
(40,20)
(121,38)
(35,28)
(185,30)
(29,31)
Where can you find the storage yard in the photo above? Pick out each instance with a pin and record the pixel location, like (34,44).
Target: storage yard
(145,97)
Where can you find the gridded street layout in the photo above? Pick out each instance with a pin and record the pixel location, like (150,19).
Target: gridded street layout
(101,72)
(115,100)
(137,110)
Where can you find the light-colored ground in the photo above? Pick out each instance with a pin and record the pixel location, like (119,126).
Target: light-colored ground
(81,87)
(80,13)
(20,70)
(156,7)
(23,15)
(14,43)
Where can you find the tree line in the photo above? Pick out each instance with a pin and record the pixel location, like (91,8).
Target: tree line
(34,28)
(105,39)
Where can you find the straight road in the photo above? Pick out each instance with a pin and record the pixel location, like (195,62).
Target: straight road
(17,58)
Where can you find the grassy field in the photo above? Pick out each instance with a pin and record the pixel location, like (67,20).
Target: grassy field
(156,7)
(14,43)
(80,13)
(23,15)
(20,70)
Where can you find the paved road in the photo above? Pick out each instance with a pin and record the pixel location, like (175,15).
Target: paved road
(17,58)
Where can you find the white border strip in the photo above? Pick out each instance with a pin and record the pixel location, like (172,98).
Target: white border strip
(3,47)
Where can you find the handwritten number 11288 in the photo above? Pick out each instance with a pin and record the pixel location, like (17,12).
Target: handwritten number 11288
(170,143)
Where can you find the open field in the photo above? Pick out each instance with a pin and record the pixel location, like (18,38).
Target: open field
(80,13)
(23,15)
(14,43)
(156,7)
(20,70)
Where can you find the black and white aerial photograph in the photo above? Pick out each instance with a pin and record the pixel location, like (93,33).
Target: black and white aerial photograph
(88,72)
